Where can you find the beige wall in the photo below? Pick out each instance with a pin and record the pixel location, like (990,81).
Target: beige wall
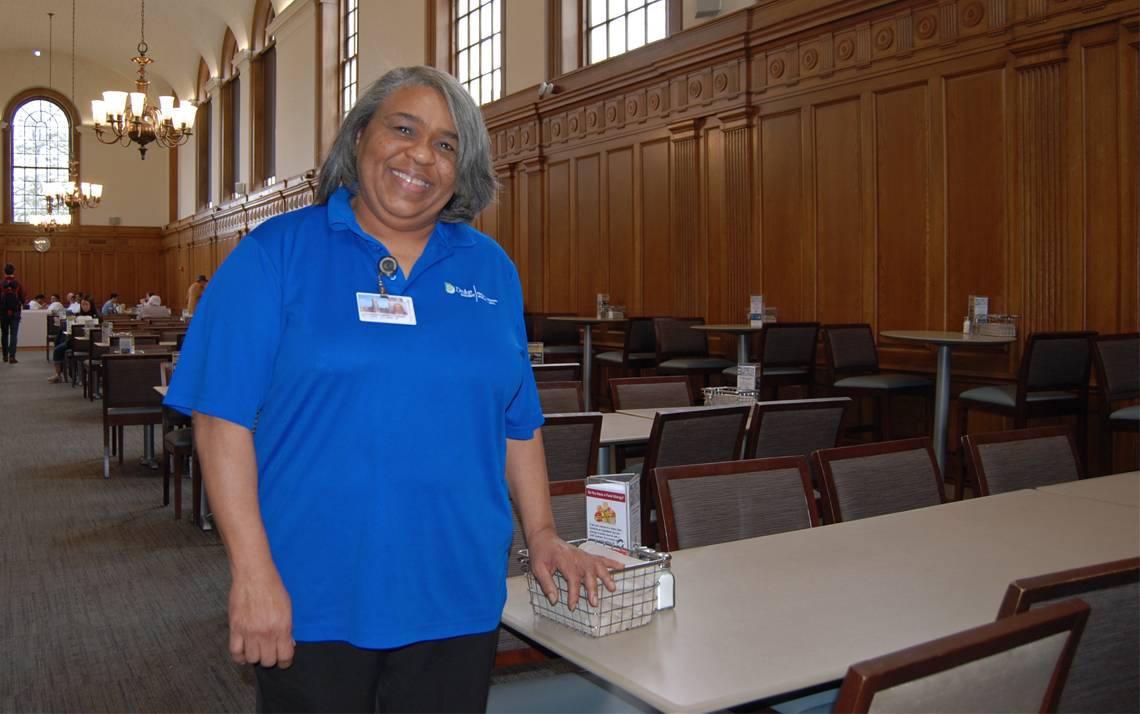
(135,191)
(393,33)
(524,56)
(296,92)
(187,177)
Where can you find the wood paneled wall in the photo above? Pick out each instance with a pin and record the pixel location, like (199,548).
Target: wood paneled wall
(873,161)
(91,259)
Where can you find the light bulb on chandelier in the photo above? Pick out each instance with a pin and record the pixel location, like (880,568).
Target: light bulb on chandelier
(128,117)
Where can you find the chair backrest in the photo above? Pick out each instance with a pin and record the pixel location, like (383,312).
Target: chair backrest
(146,338)
(558,372)
(568,504)
(1018,664)
(640,336)
(571,443)
(1056,361)
(1117,357)
(97,351)
(166,371)
(715,503)
(78,330)
(789,344)
(651,392)
(1105,673)
(850,348)
(171,334)
(795,427)
(676,338)
(559,397)
(129,380)
(556,332)
(873,479)
(1001,461)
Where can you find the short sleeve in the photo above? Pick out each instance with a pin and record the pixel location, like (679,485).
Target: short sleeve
(228,356)
(524,413)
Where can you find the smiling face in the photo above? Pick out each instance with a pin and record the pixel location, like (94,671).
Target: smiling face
(406,161)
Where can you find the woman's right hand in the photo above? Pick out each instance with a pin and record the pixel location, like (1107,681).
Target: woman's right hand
(261,621)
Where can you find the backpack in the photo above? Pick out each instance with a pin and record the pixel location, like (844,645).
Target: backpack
(10,298)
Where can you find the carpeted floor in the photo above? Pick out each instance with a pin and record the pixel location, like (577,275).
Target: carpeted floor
(107,604)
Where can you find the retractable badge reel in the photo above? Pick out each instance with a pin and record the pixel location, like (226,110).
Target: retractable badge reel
(386,268)
(382,306)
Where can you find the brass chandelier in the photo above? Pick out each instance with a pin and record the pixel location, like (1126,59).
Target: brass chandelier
(137,121)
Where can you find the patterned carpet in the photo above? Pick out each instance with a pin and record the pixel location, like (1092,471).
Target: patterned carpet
(107,604)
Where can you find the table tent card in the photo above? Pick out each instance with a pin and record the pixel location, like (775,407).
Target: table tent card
(756,310)
(602,304)
(613,509)
(534,350)
(746,377)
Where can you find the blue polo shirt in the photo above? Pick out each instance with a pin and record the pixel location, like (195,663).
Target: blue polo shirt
(380,447)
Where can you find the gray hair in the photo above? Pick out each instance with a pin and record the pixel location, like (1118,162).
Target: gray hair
(475,183)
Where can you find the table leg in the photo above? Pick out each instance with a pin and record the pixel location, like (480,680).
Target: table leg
(148,447)
(941,406)
(587,354)
(605,459)
(742,349)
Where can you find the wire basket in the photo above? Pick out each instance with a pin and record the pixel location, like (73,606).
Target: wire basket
(630,605)
(998,326)
(728,396)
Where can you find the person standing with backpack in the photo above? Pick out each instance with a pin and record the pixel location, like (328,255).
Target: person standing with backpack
(11,304)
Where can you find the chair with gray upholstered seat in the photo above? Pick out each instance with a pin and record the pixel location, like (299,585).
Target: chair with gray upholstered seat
(1105,673)
(557,372)
(1118,374)
(571,445)
(703,504)
(560,339)
(650,392)
(695,435)
(1016,664)
(853,362)
(638,352)
(1001,461)
(787,356)
(1052,380)
(559,397)
(683,350)
(868,480)
(795,427)
(129,398)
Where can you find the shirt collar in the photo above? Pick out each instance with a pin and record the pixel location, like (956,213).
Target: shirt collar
(341,216)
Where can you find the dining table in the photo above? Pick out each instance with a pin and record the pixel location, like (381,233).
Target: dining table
(945,341)
(770,618)
(587,325)
(742,331)
(620,430)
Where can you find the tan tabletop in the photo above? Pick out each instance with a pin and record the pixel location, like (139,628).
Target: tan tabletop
(945,337)
(741,328)
(767,616)
(1122,489)
(161,390)
(624,429)
(651,412)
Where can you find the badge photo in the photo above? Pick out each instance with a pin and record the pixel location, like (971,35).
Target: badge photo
(390,309)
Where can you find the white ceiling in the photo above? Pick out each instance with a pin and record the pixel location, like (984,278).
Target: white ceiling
(178,32)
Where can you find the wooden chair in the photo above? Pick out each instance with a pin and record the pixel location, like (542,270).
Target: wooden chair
(638,352)
(683,350)
(571,445)
(787,356)
(1004,461)
(853,362)
(560,397)
(564,372)
(568,504)
(874,479)
(1053,380)
(53,328)
(1017,664)
(129,398)
(703,504)
(94,382)
(1105,672)
(559,339)
(1118,374)
(687,436)
(650,392)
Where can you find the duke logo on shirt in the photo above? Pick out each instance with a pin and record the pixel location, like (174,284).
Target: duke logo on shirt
(471,294)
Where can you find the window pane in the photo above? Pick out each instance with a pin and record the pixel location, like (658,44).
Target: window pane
(636,29)
(658,27)
(351,24)
(486,91)
(485,59)
(598,44)
(497,44)
(617,8)
(597,12)
(617,36)
(461,33)
(460,8)
(484,21)
(497,16)
(498,83)
(632,5)
(461,71)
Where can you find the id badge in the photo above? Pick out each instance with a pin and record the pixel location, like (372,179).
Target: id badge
(391,309)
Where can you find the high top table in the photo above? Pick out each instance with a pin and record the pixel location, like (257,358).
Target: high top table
(945,341)
(766,617)
(587,324)
(742,331)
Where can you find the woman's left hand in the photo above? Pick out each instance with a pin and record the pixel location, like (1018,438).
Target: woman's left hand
(549,553)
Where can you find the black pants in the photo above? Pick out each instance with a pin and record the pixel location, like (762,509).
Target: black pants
(9,327)
(451,675)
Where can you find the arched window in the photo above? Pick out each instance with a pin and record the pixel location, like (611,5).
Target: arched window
(348,55)
(204,190)
(264,96)
(40,149)
(231,117)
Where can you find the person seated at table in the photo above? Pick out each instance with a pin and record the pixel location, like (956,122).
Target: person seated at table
(87,308)
(73,303)
(55,307)
(110,307)
(153,308)
(36,303)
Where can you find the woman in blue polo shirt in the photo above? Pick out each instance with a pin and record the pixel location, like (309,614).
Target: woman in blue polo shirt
(354,452)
